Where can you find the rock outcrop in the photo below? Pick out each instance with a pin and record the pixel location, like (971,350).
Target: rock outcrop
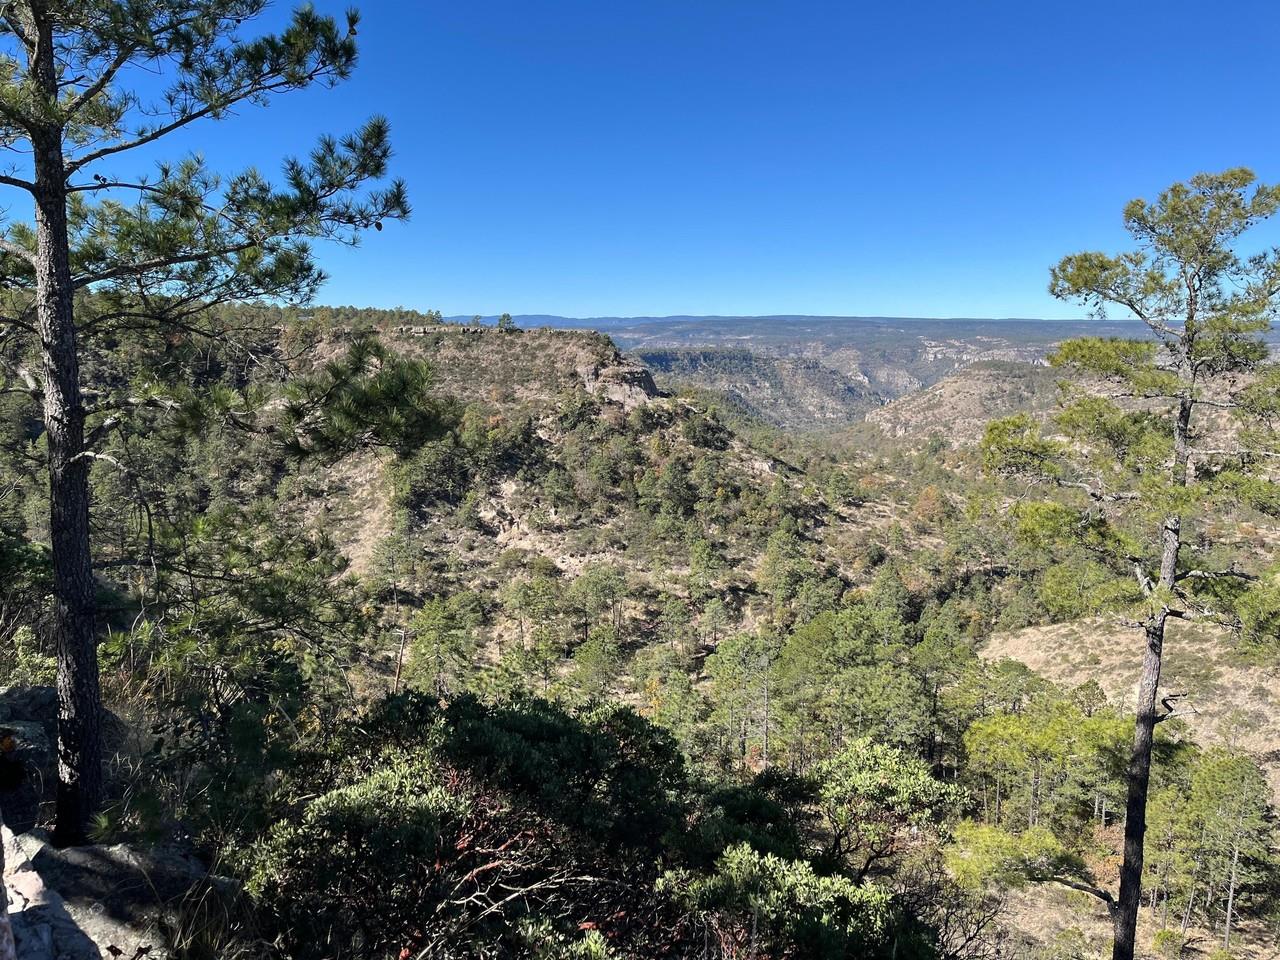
(28,763)
(82,903)
(93,903)
(628,384)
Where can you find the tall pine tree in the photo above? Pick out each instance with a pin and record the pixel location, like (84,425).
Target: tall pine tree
(1139,466)
(110,251)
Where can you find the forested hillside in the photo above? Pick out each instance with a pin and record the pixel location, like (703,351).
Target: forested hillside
(699,666)
(333,633)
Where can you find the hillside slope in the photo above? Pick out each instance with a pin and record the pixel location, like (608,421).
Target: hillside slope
(482,364)
(1229,700)
(603,452)
(959,406)
(790,392)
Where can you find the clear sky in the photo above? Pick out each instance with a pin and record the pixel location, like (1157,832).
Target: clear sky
(610,157)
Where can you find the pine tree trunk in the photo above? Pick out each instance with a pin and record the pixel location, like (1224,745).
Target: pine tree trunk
(766,722)
(1231,893)
(1139,774)
(1186,914)
(79,701)
(1139,781)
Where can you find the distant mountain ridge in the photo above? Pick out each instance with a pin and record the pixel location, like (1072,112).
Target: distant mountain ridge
(819,373)
(614,322)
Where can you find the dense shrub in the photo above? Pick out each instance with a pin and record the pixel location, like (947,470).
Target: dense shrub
(472,830)
(756,902)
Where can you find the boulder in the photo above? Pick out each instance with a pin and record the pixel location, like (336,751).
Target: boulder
(28,761)
(627,384)
(28,751)
(39,704)
(94,903)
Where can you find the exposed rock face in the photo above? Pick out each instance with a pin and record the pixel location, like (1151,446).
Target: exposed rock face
(92,903)
(28,752)
(28,762)
(17,703)
(8,951)
(84,903)
(628,384)
(790,392)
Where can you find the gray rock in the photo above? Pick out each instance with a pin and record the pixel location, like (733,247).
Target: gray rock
(29,703)
(29,775)
(28,771)
(93,903)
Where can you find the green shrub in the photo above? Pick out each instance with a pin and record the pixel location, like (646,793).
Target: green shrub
(786,906)
(425,819)
(352,872)
(29,665)
(1168,943)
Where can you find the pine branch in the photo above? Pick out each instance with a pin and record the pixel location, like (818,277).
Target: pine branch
(1231,573)
(13,249)
(1097,494)
(72,107)
(160,263)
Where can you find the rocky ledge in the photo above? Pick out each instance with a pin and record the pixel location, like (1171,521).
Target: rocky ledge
(106,902)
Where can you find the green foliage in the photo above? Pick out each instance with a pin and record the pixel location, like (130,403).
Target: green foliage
(27,665)
(811,718)
(1210,840)
(596,663)
(479,446)
(844,675)
(1258,607)
(1122,467)
(423,810)
(811,712)
(368,397)
(1014,446)
(26,590)
(742,674)
(317,873)
(443,645)
(1052,762)
(1168,944)
(541,941)
(770,813)
(607,772)
(1193,223)
(1079,588)
(986,856)
(238,665)
(778,904)
(1133,483)
(869,795)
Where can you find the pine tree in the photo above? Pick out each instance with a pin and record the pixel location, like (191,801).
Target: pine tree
(1137,467)
(111,254)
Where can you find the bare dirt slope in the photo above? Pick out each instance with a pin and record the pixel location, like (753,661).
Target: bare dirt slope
(1229,700)
(958,407)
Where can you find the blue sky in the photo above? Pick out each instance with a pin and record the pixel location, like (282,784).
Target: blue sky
(609,157)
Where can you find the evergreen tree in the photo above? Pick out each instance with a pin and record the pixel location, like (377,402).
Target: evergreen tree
(110,253)
(443,645)
(1138,470)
